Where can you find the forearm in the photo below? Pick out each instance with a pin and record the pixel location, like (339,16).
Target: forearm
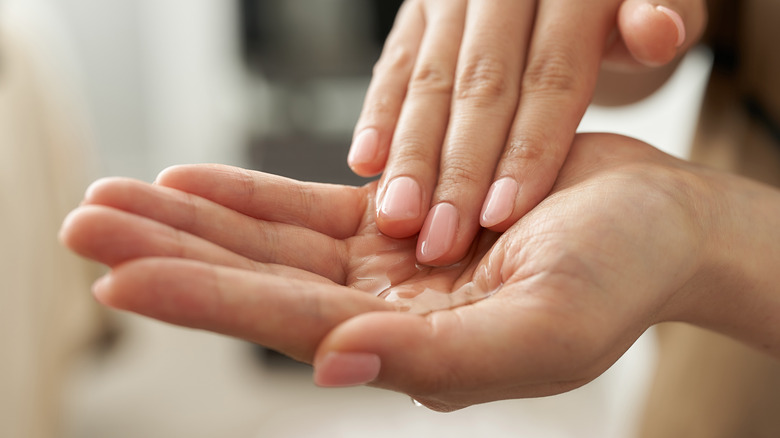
(741,294)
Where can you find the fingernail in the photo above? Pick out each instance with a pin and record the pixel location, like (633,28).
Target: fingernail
(346,369)
(438,233)
(500,202)
(364,148)
(402,199)
(100,287)
(91,189)
(678,22)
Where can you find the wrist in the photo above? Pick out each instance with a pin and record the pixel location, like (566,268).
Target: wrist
(736,290)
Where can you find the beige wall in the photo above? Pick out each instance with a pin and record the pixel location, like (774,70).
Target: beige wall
(45,309)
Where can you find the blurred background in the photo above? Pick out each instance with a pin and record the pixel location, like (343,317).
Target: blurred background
(90,88)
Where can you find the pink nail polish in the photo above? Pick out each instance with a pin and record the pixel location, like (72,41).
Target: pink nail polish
(678,23)
(402,199)
(365,147)
(437,236)
(500,202)
(346,369)
(100,287)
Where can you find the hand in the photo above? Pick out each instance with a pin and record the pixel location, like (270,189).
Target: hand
(623,241)
(474,103)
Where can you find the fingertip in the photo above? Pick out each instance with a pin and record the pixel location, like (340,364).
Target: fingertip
(343,369)
(653,34)
(101,189)
(678,23)
(400,209)
(93,187)
(78,229)
(366,170)
(500,202)
(512,197)
(377,348)
(101,290)
(438,234)
(116,288)
(169,173)
(398,230)
(364,153)
(64,233)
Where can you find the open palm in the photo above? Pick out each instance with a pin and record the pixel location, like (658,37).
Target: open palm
(301,268)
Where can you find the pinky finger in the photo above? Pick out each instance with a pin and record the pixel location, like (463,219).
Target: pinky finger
(288,315)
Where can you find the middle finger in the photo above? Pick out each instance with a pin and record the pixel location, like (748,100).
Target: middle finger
(407,184)
(490,66)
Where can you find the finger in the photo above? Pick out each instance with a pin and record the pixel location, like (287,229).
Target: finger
(411,171)
(654,34)
(557,86)
(288,315)
(487,86)
(336,211)
(111,236)
(254,239)
(386,92)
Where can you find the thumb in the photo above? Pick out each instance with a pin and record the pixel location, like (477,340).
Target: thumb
(452,359)
(654,33)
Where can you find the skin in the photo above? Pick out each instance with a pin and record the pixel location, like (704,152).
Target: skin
(629,237)
(470,92)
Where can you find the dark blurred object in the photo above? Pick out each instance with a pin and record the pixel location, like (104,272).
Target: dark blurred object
(314,58)
(306,158)
(384,16)
(295,39)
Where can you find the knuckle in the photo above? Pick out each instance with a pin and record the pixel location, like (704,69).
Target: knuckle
(379,108)
(264,235)
(393,60)
(483,77)
(246,181)
(304,198)
(192,212)
(555,72)
(409,148)
(461,172)
(431,78)
(527,149)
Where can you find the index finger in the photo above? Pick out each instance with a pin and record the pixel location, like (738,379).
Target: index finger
(334,210)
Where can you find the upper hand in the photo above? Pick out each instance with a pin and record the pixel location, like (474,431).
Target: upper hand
(295,266)
(474,103)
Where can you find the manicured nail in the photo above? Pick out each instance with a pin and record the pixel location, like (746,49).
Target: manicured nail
(91,189)
(402,199)
(678,22)
(100,287)
(500,202)
(346,369)
(364,148)
(438,233)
